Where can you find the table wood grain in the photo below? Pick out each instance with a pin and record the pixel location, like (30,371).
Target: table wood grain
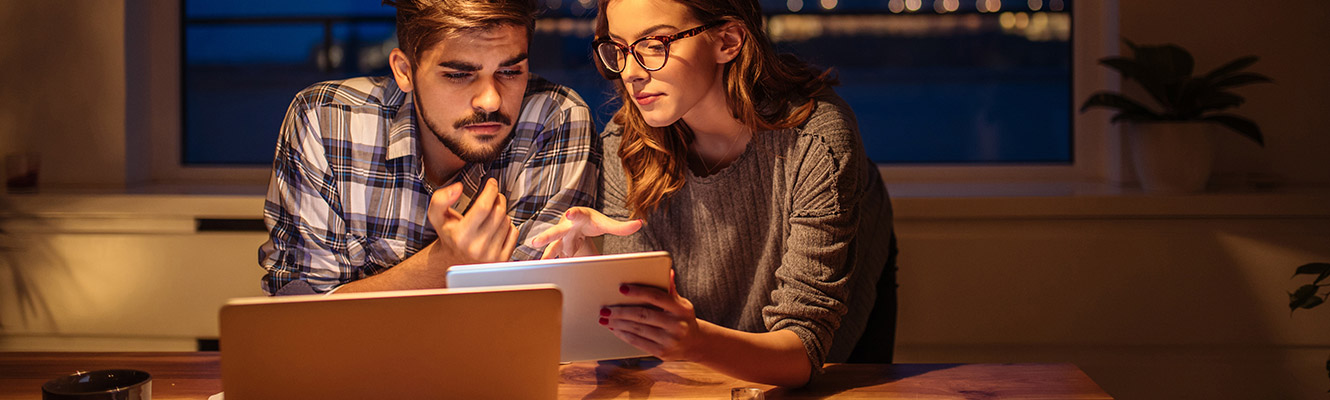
(197,376)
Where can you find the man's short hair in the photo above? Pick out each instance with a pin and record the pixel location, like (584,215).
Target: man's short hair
(423,23)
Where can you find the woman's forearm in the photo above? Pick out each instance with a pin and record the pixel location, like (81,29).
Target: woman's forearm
(774,358)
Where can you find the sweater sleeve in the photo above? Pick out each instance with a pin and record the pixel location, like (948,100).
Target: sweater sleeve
(613,192)
(817,267)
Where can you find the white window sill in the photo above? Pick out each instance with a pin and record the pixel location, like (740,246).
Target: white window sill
(162,210)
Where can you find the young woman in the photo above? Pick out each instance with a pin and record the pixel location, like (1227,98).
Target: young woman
(748,169)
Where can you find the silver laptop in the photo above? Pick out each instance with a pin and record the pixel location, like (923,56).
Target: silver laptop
(498,342)
(588,283)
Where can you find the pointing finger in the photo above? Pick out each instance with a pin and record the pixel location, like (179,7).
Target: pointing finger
(552,250)
(551,234)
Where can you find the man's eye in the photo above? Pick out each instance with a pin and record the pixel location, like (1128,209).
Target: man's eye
(457,75)
(511,73)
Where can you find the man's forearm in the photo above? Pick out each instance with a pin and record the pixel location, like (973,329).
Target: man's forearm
(424,270)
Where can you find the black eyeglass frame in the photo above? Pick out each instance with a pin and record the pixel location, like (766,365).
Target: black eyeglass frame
(664,39)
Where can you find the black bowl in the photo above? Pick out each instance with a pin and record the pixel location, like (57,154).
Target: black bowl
(109,384)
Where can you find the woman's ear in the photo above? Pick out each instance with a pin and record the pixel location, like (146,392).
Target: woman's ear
(401,67)
(731,38)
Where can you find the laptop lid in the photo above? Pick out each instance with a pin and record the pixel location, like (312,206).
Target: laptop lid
(498,342)
(587,283)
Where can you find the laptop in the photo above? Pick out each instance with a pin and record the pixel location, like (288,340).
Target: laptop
(496,342)
(588,283)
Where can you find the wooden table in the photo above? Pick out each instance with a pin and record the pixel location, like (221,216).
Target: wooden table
(197,376)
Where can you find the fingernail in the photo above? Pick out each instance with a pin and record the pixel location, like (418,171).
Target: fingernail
(623,289)
(604,312)
(604,321)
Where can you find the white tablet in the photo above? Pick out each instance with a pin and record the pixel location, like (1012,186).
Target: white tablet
(587,283)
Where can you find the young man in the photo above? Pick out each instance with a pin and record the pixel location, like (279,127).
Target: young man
(371,172)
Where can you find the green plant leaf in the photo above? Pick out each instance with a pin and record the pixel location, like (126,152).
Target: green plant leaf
(1242,126)
(1118,102)
(1127,67)
(1172,63)
(1135,117)
(1320,269)
(1245,78)
(1161,92)
(1215,101)
(1164,69)
(1231,67)
(1131,45)
(1304,297)
(1188,99)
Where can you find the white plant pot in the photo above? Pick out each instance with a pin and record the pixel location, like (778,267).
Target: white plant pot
(1172,157)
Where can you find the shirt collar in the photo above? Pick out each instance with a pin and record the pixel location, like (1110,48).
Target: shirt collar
(402,130)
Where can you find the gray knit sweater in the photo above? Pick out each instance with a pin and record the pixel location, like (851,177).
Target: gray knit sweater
(791,235)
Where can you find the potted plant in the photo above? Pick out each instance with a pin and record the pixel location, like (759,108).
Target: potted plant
(1169,139)
(1307,295)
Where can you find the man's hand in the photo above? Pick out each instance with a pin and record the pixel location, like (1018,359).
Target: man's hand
(485,233)
(569,237)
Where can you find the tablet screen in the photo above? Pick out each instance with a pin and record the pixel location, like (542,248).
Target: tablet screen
(587,283)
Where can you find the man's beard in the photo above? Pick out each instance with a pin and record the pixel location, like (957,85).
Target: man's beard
(469,154)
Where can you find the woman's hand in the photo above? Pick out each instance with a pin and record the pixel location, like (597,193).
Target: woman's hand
(570,236)
(485,233)
(665,325)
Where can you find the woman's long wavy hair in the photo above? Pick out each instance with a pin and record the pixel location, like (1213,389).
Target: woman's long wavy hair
(764,90)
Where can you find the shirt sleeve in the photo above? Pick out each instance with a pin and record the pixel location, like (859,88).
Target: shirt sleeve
(817,268)
(305,229)
(562,172)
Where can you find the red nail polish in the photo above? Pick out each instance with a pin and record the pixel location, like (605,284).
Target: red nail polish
(623,289)
(604,321)
(604,312)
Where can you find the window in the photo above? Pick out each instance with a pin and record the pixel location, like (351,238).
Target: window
(933,82)
(245,60)
(930,81)
(944,82)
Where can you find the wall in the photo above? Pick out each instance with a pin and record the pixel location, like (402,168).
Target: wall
(1151,307)
(1293,41)
(62,88)
(116,272)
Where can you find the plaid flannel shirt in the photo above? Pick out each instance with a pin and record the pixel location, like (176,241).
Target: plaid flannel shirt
(347,197)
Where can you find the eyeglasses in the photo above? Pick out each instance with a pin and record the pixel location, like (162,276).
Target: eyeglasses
(651,52)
